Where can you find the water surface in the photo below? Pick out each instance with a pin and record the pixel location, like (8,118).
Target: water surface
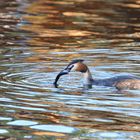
(38,39)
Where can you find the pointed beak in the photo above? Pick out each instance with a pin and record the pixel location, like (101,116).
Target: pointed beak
(63,72)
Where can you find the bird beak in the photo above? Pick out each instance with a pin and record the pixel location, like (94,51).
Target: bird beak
(63,72)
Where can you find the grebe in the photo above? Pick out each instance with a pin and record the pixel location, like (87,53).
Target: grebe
(120,82)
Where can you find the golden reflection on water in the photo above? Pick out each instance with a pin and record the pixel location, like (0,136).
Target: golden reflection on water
(57,23)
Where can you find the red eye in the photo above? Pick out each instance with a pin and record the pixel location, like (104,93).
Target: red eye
(70,67)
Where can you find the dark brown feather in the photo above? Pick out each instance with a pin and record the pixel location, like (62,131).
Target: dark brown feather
(81,67)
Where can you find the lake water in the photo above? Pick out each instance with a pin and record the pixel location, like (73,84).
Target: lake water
(38,38)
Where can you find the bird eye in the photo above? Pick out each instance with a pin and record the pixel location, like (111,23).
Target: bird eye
(70,67)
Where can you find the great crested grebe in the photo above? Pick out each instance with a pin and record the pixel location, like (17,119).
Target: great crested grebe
(120,82)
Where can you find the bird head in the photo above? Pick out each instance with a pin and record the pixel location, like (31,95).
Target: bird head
(75,65)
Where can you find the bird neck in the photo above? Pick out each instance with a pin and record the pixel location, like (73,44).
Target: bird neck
(88,80)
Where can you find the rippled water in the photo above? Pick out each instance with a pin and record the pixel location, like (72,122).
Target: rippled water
(38,38)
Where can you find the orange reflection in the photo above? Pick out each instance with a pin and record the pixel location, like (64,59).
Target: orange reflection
(40,133)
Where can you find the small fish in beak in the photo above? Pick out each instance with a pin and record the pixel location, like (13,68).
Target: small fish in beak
(63,72)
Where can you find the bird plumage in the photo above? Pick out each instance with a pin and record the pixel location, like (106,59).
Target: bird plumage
(120,82)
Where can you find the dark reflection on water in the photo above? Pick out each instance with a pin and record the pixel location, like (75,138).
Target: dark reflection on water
(38,38)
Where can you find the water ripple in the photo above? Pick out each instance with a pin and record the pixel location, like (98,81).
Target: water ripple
(38,39)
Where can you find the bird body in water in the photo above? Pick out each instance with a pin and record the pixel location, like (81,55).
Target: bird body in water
(119,82)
